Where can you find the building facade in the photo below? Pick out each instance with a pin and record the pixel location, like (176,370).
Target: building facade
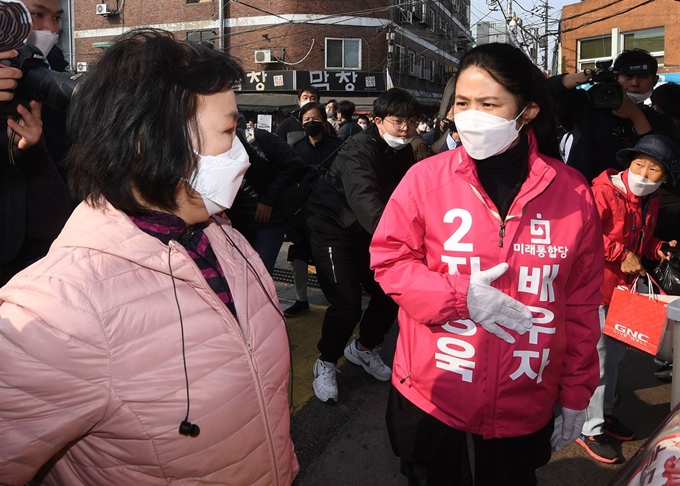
(599,30)
(344,47)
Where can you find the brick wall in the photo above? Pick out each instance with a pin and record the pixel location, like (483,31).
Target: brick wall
(135,13)
(289,42)
(657,13)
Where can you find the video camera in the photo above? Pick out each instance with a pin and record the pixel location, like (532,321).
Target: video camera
(38,82)
(606,91)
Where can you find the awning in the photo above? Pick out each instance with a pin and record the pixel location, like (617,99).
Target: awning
(270,102)
(266,102)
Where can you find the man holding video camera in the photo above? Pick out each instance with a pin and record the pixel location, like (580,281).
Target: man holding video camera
(609,117)
(606,123)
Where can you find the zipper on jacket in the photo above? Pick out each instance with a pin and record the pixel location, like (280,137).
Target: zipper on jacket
(245,341)
(330,255)
(501,234)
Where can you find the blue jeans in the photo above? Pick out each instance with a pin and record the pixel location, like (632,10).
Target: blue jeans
(611,353)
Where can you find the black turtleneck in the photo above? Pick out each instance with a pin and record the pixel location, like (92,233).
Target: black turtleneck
(502,175)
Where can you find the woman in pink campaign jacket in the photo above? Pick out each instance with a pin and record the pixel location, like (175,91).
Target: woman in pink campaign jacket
(493,252)
(148,346)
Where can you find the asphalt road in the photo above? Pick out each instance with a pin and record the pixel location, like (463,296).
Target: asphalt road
(346,444)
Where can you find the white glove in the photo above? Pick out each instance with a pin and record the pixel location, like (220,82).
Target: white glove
(490,307)
(567,428)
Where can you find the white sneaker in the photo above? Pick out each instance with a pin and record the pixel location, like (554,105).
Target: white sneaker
(325,384)
(369,360)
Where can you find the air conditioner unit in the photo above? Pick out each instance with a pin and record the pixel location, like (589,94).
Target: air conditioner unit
(102,9)
(264,57)
(408,17)
(82,67)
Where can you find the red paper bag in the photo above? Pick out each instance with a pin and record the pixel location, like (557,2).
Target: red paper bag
(638,320)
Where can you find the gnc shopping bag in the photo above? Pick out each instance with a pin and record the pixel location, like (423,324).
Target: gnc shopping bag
(636,319)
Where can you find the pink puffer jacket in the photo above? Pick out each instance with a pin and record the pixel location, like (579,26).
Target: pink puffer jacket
(92,376)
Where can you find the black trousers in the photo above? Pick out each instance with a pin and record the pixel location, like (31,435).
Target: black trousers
(342,268)
(434,454)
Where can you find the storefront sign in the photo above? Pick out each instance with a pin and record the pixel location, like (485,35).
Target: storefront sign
(350,81)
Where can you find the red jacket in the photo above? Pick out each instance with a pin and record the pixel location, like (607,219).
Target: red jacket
(622,226)
(438,227)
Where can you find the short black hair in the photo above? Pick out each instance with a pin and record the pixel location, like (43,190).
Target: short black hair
(667,98)
(396,102)
(636,61)
(132,119)
(313,106)
(363,117)
(346,109)
(309,89)
(333,102)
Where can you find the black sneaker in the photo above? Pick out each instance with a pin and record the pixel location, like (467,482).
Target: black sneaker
(615,429)
(299,307)
(665,371)
(599,448)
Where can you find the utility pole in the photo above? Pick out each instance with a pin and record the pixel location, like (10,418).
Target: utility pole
(390,46)
(545,37)
(221,27)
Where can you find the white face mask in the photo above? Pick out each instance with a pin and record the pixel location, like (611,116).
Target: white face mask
(303,103)
(397,143)
(641,186)
(43,40)
(422,128)
(485,135)
(218,177)
(330,113)
(640,97)
(363,126)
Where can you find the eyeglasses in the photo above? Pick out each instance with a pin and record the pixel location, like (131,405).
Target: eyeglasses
(402,125)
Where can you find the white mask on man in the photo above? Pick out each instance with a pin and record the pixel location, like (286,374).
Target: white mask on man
(217,178)
(640,97)
(485,135)
(43,40)
(397,143)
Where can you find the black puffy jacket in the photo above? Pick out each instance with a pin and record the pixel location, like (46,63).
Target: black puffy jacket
(361,179)
(273,167)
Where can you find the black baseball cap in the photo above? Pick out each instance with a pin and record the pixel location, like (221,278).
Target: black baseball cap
(660,147)
(637,61)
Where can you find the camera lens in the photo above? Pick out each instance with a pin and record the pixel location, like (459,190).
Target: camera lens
(608,94)
(53,88)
